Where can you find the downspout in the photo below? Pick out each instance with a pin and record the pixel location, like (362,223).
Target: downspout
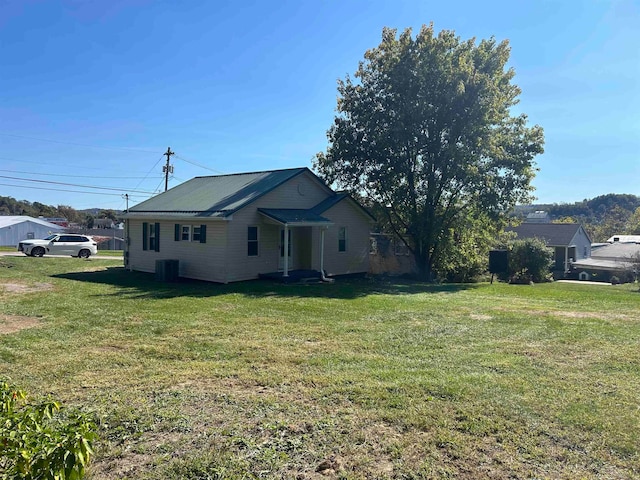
(322,276)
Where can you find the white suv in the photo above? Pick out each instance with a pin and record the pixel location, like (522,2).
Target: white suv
(80,246)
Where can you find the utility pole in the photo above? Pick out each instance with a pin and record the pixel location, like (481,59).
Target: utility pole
(167,169)
(126,197)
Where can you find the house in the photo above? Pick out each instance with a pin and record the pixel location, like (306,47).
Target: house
(15,228)
(539,216)
(569,241)
(230,228)
(388,255)
(624,239)
(620,259)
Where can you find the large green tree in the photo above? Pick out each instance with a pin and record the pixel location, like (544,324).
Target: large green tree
(426,131)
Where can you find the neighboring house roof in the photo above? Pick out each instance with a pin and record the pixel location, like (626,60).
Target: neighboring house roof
(9,220)
(216,196)
(599,264)
(538,217)
(616,251)
(553,234)
(614,256)
(624,238)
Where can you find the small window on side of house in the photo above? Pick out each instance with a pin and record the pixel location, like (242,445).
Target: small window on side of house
(373,246)
(342,239)
(196,234)
(186,233)
(252,241)
(153,237)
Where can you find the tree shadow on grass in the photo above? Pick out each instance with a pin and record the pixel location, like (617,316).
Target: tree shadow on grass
(144,285)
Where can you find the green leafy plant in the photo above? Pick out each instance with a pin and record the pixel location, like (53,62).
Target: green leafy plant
(529,260)
(42,441)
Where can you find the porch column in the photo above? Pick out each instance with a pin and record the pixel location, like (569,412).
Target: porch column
(566,259)
(286,251)
(322,230)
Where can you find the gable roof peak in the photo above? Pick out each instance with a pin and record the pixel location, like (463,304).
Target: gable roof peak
(260,172)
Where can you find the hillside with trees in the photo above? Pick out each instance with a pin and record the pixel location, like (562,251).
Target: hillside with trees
(11,206)
(602,216)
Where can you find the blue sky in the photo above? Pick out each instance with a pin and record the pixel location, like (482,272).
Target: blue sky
(93,92)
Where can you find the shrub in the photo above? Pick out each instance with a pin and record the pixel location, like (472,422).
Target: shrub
(42,441)
(614,280)
(530,258)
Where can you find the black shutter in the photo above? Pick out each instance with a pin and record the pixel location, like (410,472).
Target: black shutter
(176,233)
(145,235)
(157,226)
(203,234)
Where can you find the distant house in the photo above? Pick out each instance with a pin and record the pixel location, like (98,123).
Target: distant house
(103,223)
(538,216)
(229,228)
(624,239)
(619,258)
(569,241)
(14,228)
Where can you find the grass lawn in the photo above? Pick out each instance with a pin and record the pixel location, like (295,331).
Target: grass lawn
(357,379)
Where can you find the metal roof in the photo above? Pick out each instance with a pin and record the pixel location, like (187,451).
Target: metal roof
(9,220)
(327,203)
(215,196)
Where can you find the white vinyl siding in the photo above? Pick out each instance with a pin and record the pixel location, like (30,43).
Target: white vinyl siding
(201,261)
(224,257)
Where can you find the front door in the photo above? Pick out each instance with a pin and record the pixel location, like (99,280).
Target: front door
(281,257)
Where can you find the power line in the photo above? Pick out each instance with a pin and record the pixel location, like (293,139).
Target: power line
(72,184)
(70,191)
(198,164)
(152,169)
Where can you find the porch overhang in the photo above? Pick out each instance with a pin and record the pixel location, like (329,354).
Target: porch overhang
(294,217)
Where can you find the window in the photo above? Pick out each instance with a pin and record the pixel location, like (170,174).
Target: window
(252,241)
(373,246)
(151,236)
(342,239)
(186,233)
(152,239)
(584,252)
(190,233)
(31,235)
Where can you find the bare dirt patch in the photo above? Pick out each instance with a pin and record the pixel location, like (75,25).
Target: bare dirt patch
(24,288)
(15,323)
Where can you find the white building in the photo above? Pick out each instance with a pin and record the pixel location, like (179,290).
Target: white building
(14,228)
